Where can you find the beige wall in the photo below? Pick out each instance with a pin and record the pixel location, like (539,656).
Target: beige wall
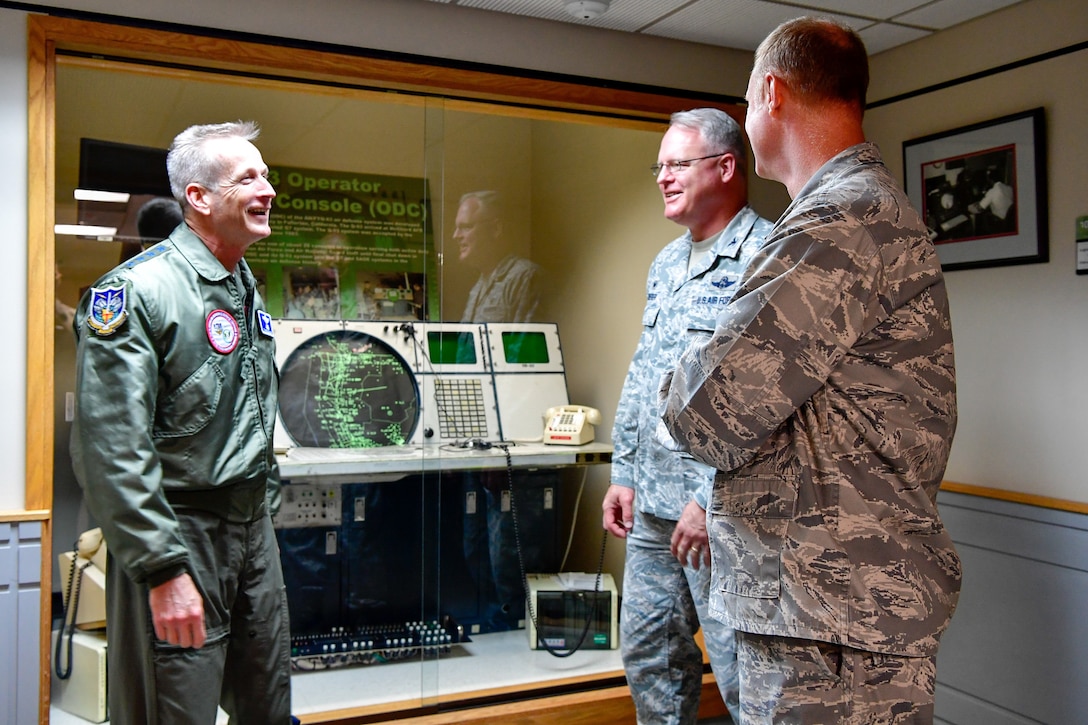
(597,225)
(601,224)
(1021,332)
(13,203)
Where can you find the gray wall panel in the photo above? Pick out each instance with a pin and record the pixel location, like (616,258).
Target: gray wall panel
(1015,649)
(20,617)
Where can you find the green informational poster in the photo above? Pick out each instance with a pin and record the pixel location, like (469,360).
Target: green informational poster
(347,246)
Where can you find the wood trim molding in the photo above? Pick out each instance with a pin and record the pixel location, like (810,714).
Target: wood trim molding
(41,98)
(40,283)
(12,517)
(1060,504)
(600,706)
(250,58)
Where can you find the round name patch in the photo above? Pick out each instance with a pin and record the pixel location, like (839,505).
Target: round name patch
(222,331)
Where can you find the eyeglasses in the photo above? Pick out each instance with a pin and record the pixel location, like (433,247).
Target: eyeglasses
(675,167)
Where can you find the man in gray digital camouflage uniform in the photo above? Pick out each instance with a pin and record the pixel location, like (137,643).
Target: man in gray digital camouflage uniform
(658,497)
(826,400)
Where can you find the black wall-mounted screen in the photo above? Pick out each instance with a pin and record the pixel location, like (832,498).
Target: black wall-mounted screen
(112,166)
(150,213)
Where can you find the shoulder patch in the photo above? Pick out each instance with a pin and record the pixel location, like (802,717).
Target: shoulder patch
(107,309)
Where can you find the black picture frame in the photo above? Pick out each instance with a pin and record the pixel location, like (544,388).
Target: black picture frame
(982,191)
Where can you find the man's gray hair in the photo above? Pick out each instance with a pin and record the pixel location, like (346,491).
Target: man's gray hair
(489,202)
(187,161)
(720,131)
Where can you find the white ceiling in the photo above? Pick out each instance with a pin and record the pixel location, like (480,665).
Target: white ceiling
(742,24)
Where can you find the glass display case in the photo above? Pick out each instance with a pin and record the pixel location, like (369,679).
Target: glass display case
(438,278)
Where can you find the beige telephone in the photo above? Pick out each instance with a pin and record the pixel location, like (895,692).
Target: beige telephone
(83,585)
(570,425)
(83,581)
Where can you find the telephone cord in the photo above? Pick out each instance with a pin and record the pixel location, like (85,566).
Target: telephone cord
(68,629)
(591,615)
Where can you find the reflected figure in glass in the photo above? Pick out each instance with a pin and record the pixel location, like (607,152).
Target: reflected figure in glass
(508,288)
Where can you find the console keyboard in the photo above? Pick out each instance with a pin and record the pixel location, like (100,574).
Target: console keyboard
(374,644)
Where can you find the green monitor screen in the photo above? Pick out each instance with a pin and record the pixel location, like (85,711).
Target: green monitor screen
(451,348)
(525,347)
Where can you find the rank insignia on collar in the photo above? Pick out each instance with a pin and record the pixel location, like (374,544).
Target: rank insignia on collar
(107,310)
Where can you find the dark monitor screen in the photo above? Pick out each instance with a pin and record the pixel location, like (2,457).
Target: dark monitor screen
(525,347)
(573,619)
(112,166)
(140,172)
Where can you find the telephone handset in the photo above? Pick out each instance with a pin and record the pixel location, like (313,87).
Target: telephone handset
(91,545)
(570,425)
(83,578)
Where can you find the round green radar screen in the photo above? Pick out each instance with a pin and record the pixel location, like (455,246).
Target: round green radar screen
(347,389)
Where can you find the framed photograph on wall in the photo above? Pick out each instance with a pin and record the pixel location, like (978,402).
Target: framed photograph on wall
(982,191)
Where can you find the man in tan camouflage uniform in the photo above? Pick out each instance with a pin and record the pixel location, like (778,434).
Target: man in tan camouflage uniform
(826,400)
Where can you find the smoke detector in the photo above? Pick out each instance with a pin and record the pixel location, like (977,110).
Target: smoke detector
(586,9)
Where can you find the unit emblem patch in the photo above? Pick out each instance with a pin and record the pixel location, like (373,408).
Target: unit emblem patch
(107,310)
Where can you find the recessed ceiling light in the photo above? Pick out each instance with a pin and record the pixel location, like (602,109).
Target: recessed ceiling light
(86,230)
(116,197)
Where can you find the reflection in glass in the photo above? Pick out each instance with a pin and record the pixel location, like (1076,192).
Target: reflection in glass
(508,286)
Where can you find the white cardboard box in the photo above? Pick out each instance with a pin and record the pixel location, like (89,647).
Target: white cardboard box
(84,692)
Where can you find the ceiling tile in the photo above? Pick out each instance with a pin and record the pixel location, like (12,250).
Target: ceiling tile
(742,24)
(627,15)
(730,23)
(881,36)
(547,9)
(632,15)
(946,13)
(879,10)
